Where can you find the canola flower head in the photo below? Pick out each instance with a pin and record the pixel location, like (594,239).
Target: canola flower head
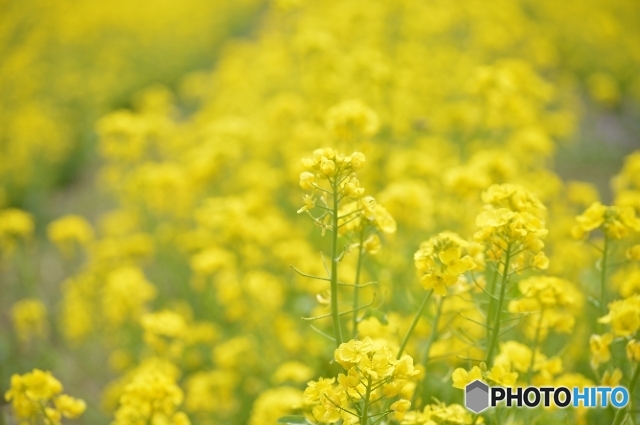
(36,393)
(623,316)
(513,220)
(327,162)
(152,396)
(616,222)
(441,261)
(371,371)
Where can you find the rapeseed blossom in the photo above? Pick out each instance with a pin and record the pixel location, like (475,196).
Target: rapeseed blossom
(220,279)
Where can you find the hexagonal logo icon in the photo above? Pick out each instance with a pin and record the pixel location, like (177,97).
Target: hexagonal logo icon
(476,396)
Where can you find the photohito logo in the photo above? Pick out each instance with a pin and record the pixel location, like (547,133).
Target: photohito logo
(479,396)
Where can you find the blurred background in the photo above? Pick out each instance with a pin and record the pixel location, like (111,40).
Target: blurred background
(150,151)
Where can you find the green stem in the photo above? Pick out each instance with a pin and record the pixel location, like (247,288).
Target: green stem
(365,410)
(357,283)
(603,278)
(534,348)
(491,290)
(414,323)
(496,324)
(536,342)
(621,413)
(337,330)
(427,350)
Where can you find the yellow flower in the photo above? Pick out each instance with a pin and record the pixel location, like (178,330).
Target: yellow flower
(66,231)
(307,180)
(350,353)
(502,376)
(599,345)
(633,350)
(616,222)
(15,225)
(440,261)
(611,379)
(372,244)
(624,316)
(401,406)
(383,220)
(462,377)
(309,203)
(37,390)
(29,319)
(69,407)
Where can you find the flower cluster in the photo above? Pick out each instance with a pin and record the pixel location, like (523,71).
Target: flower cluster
(372,374)
(151,397)
(441,261)
(185,270)
(623,316)
(550,303)
(499,374)
(616,222)
(512,222)
(37,394)
(337,168)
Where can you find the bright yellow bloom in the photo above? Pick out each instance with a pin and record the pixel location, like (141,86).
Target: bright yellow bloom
(462,377)
(616,222)
(599,345)
(441,260)
(502,376)
(624,316)
(37,390)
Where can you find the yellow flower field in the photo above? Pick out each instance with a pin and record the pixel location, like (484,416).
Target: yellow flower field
(330,212)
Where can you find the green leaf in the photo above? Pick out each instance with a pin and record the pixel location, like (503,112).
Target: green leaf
(294,420)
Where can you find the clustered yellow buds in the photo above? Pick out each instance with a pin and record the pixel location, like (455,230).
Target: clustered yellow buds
(616,222)
(372,373)
(38,394)
(338,169)
(512,220)
(441,260)
(327,162)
